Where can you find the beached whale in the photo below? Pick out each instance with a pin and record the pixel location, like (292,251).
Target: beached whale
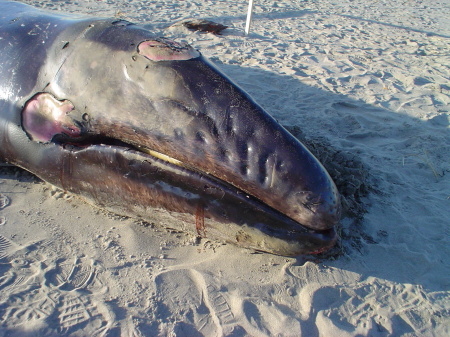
(135,124)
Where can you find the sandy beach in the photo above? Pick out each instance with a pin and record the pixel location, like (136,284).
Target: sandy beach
(366,85)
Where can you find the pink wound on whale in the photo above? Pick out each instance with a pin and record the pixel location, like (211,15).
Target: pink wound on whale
(166,50)
(44,117)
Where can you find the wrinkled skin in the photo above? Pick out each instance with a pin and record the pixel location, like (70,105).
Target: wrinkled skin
(133,123)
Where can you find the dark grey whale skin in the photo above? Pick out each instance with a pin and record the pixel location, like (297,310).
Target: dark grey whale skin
(247,180)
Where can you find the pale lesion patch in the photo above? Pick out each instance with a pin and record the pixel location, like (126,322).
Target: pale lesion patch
(166,50)
(44,116)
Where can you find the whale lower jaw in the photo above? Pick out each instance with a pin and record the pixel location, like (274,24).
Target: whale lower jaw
(207,206)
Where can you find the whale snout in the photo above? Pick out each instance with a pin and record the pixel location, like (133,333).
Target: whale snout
(321,211)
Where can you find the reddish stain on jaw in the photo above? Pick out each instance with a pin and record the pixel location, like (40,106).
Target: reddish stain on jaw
(200,221)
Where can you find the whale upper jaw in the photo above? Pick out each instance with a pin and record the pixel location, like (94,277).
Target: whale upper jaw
(188,110)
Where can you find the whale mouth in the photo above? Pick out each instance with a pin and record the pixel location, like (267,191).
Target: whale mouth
(228,162)
(192,188)
(49,120)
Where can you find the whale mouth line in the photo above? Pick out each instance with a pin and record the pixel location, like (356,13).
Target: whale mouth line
(149,155)
(47,119)
(79,143)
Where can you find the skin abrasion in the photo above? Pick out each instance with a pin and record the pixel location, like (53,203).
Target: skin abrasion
(44,116)
(165,50)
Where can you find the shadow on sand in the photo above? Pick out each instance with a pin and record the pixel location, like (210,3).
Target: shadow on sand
(349,138)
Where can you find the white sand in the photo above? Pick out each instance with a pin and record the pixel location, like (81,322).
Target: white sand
(372,79)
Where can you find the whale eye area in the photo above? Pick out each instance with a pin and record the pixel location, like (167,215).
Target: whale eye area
(166,50)
(44,116)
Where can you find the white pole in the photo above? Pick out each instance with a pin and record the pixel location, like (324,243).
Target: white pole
(249,16)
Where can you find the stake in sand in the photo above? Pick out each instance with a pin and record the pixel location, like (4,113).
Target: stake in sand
(249,17)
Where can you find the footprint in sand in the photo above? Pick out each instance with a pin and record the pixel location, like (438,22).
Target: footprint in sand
(7,247)
(367,308)
(195,308)
(70,275)
(4,201)
(264,318)
(75,310)
(59,298)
